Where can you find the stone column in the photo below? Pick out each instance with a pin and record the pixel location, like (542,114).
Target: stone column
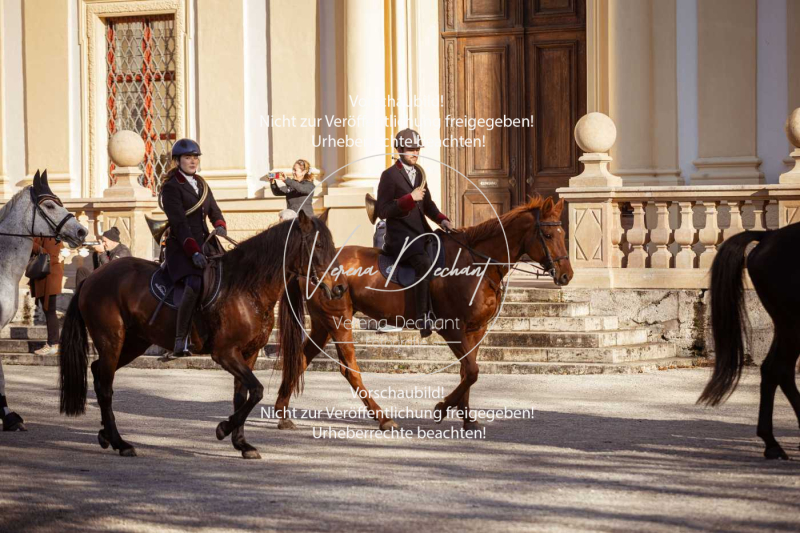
(365,93)
(365,68)
(643,90)
(726,48)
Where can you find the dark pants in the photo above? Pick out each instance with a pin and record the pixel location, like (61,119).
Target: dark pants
(421,263)
(193,282)
(81,274)
(51,318)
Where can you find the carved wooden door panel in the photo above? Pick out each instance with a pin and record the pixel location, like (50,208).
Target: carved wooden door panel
(519,59)
(488,89)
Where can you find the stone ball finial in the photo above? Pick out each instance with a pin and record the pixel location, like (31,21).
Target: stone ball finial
(126,148)
(792,128)
(595,133)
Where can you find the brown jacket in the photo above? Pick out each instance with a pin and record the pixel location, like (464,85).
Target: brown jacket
(44,288)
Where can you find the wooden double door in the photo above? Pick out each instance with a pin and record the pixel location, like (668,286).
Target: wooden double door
(513,59)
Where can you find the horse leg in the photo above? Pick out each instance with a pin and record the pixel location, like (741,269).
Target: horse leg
(470,423)
(319,335)
(11,420)
(232,361)
(239,398)
(787,380)
(469,374)
(351,372)
(103,373)
(769,384)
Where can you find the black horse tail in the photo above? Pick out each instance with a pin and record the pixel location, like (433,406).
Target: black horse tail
(73,359)
(728,316)
(291,318)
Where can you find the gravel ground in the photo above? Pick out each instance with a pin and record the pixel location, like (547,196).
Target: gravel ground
(614,452)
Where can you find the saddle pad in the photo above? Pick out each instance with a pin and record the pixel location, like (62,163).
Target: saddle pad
(404,274)
(161,286)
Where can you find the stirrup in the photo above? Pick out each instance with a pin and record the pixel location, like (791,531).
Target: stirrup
(182,348)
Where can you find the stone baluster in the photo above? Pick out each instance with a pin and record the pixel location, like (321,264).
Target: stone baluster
(736,225)
(637,237)
(759,222)
(661,237)
(709,235)
(617,255)
(789,210)
(685,236)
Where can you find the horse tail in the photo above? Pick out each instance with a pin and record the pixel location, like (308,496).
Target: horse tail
(291,317)
(73,359)
(728,316)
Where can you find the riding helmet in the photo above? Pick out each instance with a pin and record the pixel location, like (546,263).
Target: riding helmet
(185,147)
(407,139)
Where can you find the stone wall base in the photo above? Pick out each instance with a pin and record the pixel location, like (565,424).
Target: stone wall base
(678,316)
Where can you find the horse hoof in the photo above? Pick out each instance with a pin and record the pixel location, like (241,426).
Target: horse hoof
(285,423)
(775,452)
(128,452)
(222,430)
(13,422)
(439,412)
(474,426)
(389,425)
(251,454)
(104,442)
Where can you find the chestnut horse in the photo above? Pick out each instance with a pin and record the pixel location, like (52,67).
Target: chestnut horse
(771,266)
(115,305)
(533,229)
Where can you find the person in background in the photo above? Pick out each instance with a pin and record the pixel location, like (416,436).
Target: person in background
(298,190)
(109,249)
(46,291)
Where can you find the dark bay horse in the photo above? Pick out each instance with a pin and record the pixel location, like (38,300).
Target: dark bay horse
(772,266)
(115,305)
(533,229)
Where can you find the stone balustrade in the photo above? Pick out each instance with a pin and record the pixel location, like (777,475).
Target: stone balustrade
(662,237)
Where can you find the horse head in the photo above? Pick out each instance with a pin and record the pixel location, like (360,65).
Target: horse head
(50,217)
(546,243)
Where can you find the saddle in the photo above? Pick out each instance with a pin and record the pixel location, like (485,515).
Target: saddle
(163,288)
(404,274)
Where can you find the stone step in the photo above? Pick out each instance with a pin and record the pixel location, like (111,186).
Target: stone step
(545,309)
(396,366)
(30,339)
(580,323)
(442,352)
(518,294)
(613,354)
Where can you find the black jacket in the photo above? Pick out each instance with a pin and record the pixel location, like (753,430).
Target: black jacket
(296,193)
(186,234)
(119,250)
(404,217)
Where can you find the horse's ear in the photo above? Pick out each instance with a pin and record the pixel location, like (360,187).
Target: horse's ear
(547,206)
(324,216)
(44,179)
(37,182)
(305,222)
(559,207)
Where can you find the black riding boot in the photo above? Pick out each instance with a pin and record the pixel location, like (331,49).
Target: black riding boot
(183,330)
(422,302)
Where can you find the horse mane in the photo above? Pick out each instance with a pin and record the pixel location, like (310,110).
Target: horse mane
(258,261)
(9,206)
(489,229)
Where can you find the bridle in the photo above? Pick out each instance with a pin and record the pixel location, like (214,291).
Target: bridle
(38,200)
(549,264)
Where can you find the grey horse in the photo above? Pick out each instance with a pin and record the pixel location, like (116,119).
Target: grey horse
(33,212)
